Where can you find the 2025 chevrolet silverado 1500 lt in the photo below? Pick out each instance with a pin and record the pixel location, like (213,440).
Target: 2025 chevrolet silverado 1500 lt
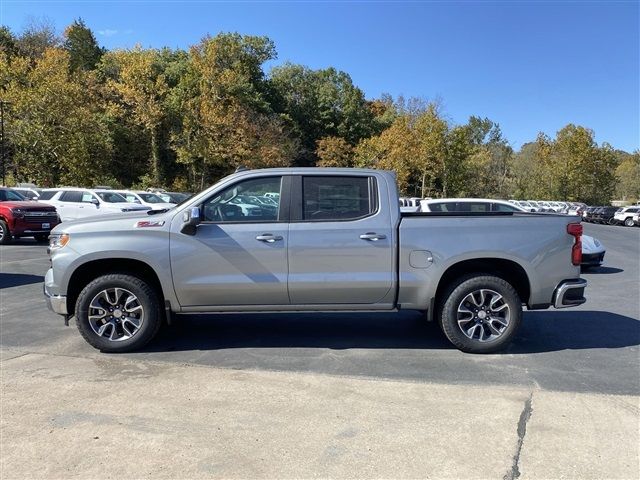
(333,239)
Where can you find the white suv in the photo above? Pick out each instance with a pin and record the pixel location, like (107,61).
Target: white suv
(152,200)
(625,215)
(75,203)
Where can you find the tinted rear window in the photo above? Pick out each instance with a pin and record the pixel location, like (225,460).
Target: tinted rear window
(71,196)
(336,198)
(48,194)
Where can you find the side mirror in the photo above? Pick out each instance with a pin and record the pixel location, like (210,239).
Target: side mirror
(190,221)
(95,202)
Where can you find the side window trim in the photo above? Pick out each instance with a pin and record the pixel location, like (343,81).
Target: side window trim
(284,202)
(297,200)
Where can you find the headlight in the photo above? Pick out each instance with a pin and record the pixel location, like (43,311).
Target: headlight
(16,212)
(58,241)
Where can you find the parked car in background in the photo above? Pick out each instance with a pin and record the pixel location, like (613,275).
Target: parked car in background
(174,197)
(587,214)
(606,215)
(468,205)
(624,216)
(74,203)
(592,252)
(525,205)
(409,204)
(24,218)
(152,200)
(28,193)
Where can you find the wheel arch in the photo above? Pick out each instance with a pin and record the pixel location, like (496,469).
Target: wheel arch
(508,270)
(93,269)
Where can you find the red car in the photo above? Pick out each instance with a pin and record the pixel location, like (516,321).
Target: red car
(22,218)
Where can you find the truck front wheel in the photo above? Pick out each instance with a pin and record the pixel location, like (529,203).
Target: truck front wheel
(481,313)
(118,313)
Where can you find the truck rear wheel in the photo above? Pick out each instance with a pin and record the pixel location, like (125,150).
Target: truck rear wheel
(118,313)
(481,313)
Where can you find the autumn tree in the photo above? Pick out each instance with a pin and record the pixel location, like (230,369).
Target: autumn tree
(139,85)
(628,174)
(38,36)
(334,152)
(227,118)
(57,134)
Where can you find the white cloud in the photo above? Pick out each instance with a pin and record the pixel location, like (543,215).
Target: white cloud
(108,32)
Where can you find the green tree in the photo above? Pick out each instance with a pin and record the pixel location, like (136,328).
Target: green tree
(79,41)
(8,45)
(490,161)
(319,104)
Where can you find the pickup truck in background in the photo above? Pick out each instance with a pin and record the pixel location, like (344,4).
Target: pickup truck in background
(333,240)
(20,217)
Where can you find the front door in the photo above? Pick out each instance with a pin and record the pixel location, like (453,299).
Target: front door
(238,255)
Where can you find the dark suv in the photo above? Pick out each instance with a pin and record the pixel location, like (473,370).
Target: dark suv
(22,218)
(605,215)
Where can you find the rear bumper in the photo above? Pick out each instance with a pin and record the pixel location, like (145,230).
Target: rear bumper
(570,293)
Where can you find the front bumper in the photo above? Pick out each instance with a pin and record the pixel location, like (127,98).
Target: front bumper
(592,259)
(570,293)
(56,303)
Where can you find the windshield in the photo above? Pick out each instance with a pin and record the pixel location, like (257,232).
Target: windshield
(10,196)
(151,198)
(112,197)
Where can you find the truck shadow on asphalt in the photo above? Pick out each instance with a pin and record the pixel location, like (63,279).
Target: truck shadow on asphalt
(601,270)
(540,332)
(8,280)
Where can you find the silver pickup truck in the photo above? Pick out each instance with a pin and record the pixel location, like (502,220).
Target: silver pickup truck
(311,240)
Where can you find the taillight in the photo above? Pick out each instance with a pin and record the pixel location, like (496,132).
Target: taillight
(575,230)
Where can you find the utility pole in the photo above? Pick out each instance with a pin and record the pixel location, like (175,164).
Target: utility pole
(2,141)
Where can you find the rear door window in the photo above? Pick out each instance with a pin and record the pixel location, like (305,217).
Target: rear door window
(48,194)
(337,198)
(71,196)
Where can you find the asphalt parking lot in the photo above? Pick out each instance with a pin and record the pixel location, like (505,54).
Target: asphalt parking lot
(573,353)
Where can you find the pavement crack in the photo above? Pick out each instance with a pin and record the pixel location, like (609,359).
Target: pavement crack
(525,415)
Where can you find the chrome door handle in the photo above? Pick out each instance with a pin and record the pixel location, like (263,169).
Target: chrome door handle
(372,236)
(268,237)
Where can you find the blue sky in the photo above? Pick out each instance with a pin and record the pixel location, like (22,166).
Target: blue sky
(530,66)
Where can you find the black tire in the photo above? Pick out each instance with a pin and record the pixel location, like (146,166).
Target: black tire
(41,237)
(147,297)
(454,297)
(629,222)
(5,233)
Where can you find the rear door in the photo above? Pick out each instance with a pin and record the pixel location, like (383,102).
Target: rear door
(340,242)
(68,204)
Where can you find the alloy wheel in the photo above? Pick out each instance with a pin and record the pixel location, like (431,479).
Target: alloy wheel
(116,314)
(483,315)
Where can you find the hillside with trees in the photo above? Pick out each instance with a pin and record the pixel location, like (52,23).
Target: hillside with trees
(77,114)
